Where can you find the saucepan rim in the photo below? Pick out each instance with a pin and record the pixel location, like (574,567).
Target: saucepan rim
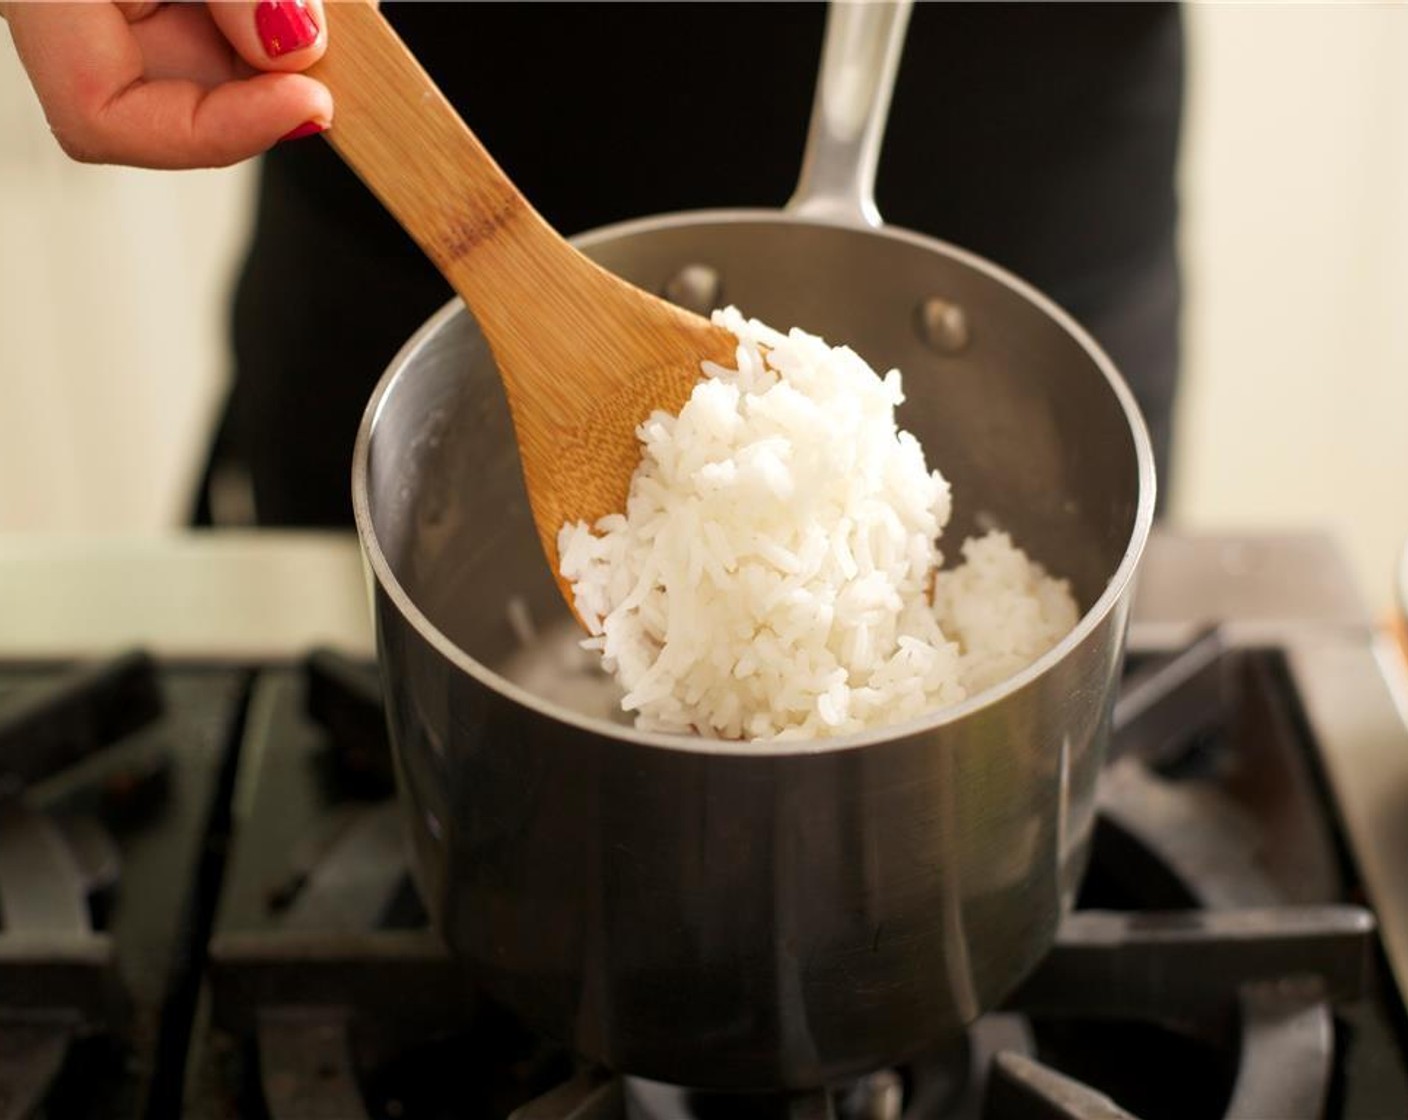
(1092,618)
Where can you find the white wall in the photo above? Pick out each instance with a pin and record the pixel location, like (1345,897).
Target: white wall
(113,287)
(1296,247)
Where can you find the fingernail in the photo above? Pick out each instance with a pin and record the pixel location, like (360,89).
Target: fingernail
(307,128)
(284,26)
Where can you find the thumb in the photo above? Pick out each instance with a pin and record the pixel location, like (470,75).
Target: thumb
(273,34)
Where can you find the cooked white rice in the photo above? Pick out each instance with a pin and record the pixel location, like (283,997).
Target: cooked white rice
(771,575)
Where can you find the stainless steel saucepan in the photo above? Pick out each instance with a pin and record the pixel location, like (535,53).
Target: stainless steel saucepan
(735,915)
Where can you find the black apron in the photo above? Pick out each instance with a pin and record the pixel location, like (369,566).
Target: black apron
(1042,136)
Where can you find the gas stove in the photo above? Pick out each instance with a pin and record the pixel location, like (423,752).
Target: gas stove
(205,909)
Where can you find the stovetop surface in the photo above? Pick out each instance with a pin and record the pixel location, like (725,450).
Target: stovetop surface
(259,949)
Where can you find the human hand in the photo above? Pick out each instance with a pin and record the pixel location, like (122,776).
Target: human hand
(173,85)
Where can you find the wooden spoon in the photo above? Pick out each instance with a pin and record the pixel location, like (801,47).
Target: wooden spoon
(584,356)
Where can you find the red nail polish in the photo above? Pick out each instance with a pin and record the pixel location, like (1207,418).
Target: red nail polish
(307,128)
(284,26)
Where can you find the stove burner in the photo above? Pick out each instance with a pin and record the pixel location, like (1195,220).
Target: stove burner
(877,1096)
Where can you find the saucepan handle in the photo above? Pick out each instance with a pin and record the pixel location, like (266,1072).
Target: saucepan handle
(864,40)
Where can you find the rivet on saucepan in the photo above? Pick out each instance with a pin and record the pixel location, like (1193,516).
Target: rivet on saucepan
(695,287)
(942,325)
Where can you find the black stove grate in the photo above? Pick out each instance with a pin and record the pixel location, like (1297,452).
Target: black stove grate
(108,783)
(1218,966)
(58,976)
(1261,982)
(163,823)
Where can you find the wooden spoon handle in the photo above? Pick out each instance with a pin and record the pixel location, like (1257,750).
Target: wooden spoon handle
(403,138)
